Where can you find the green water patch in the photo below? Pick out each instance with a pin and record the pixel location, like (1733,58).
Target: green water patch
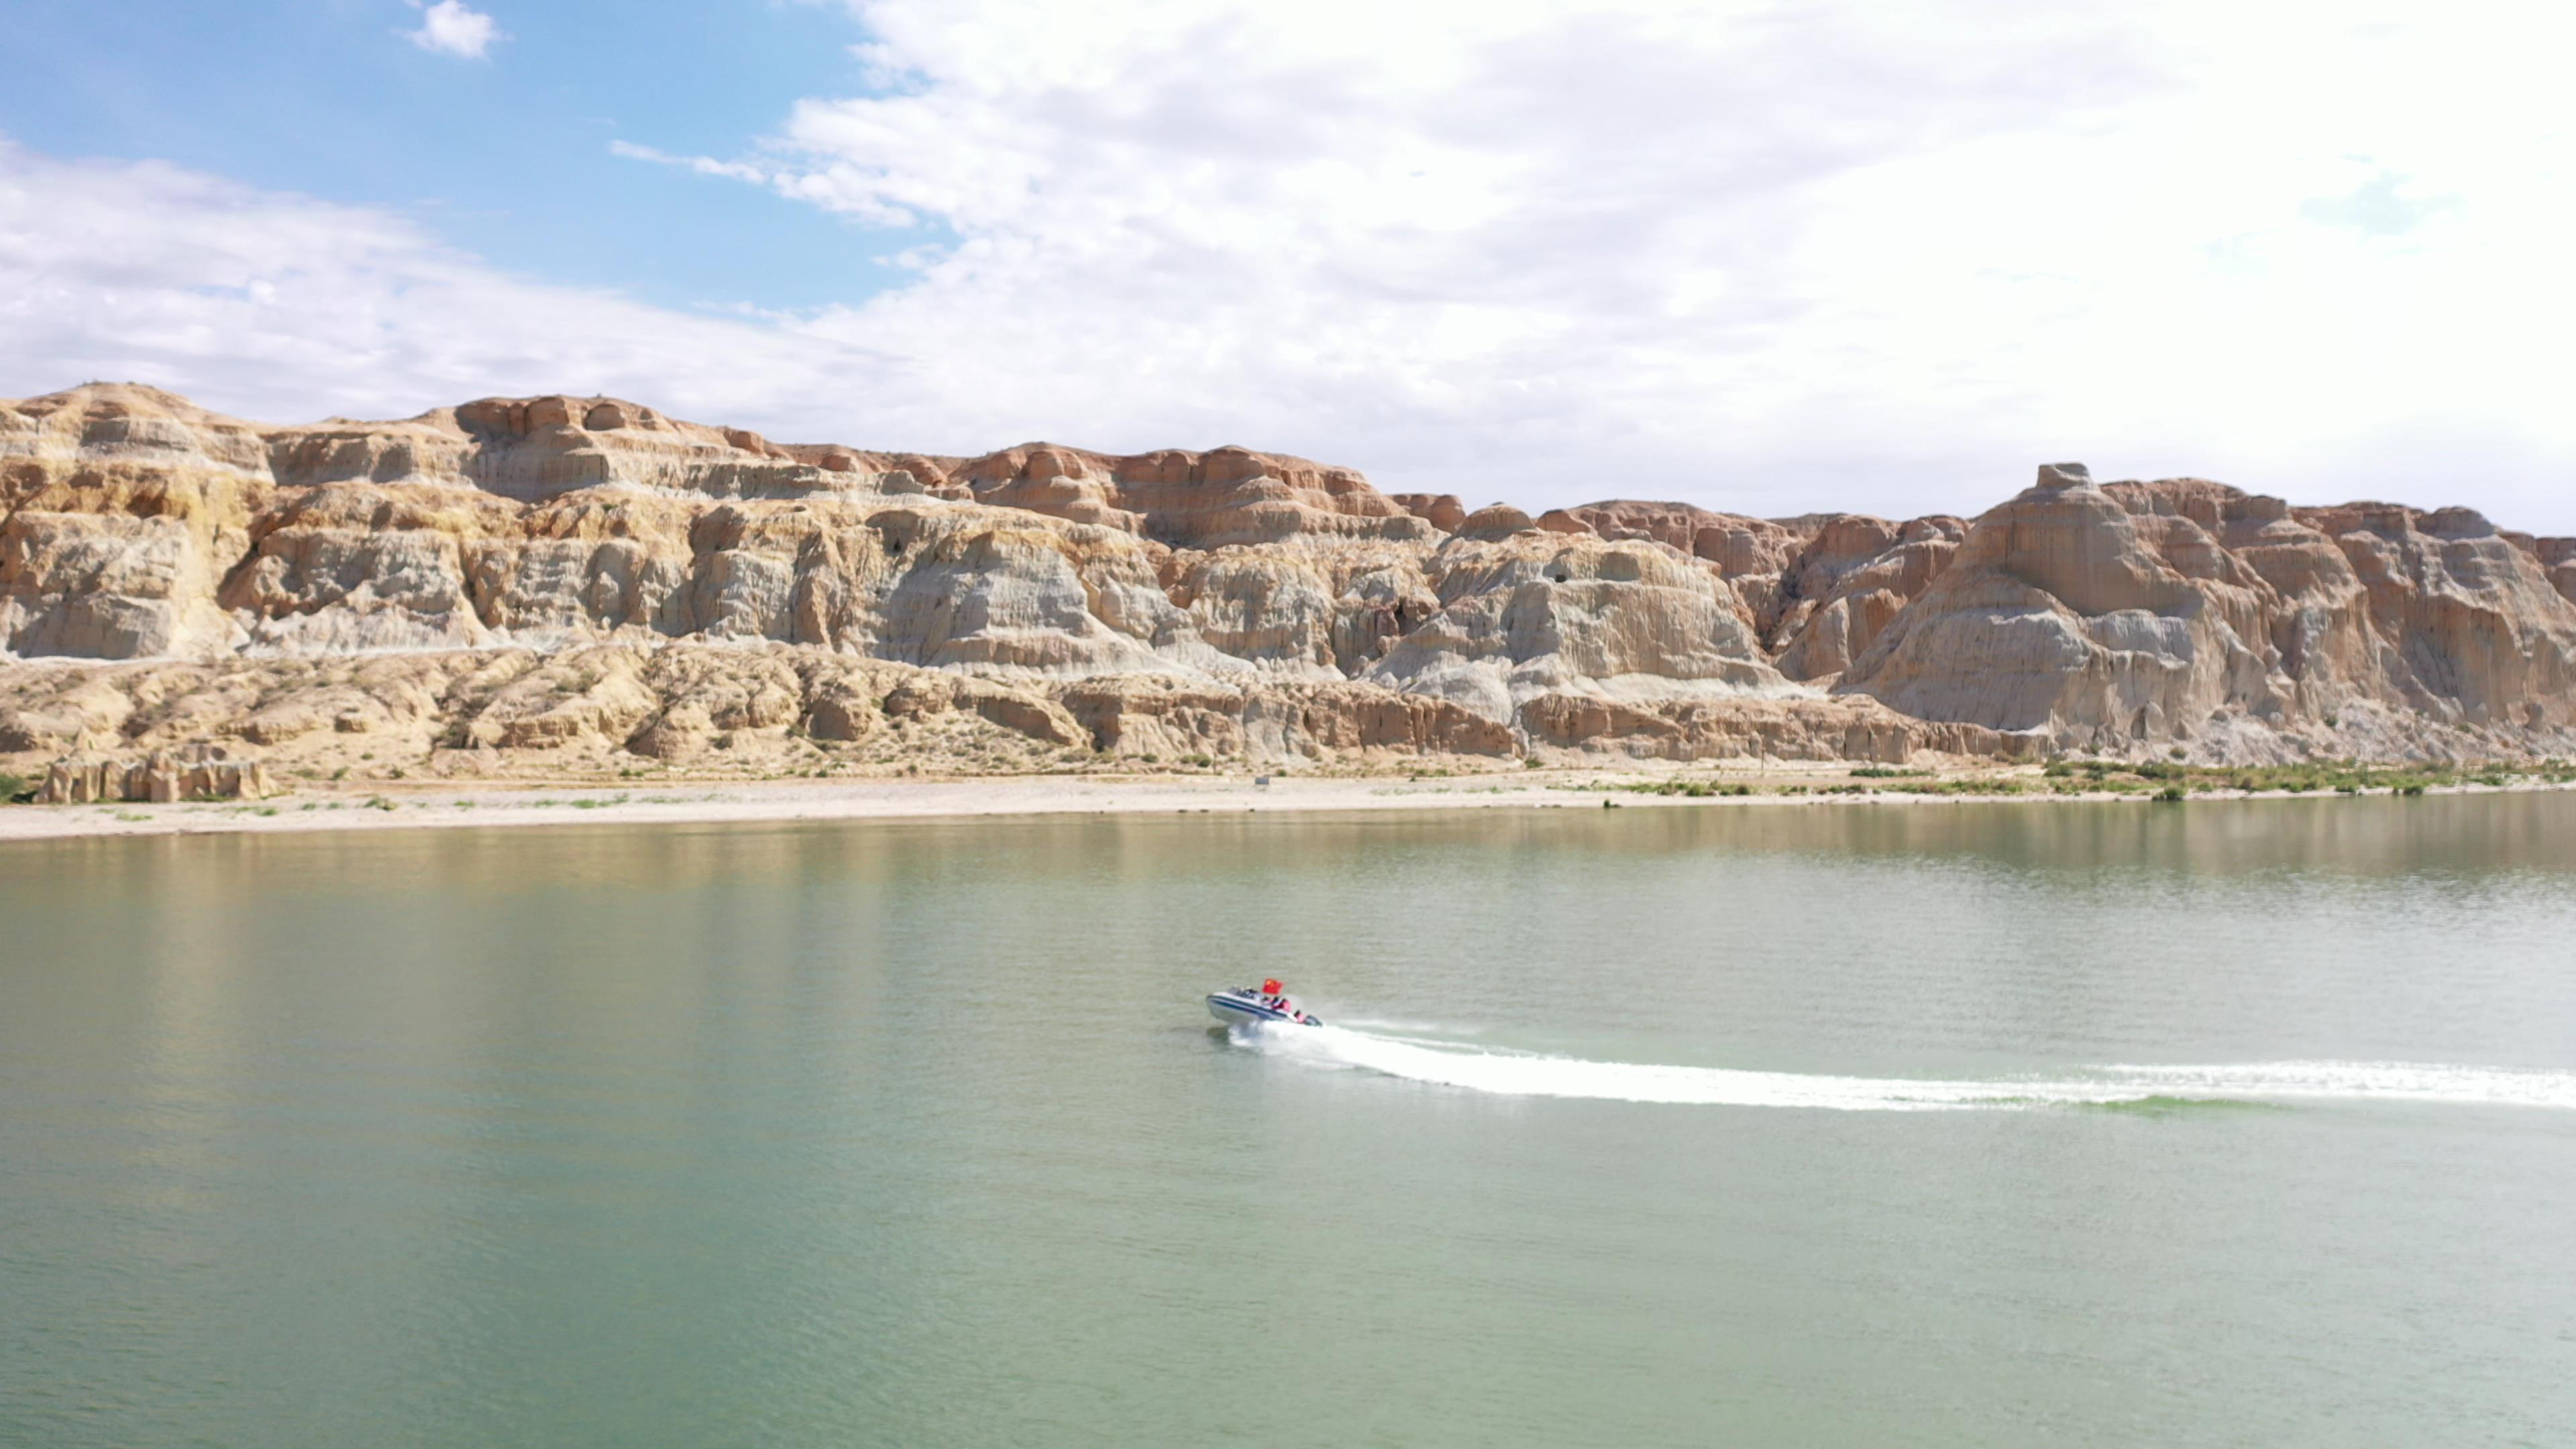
(2164,1106)
(2157,1105)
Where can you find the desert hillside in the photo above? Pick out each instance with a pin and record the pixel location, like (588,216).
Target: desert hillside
(564,585)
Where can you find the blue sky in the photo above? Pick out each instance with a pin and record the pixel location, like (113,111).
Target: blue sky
(506,155)
(1759,255)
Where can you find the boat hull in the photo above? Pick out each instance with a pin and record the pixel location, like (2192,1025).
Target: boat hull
(1243,1011)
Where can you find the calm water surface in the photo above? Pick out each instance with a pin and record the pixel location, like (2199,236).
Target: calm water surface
(1939,1125)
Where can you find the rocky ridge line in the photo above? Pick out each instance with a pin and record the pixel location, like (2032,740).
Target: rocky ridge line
(583,581)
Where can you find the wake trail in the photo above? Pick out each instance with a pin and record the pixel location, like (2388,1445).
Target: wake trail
(1532,1074)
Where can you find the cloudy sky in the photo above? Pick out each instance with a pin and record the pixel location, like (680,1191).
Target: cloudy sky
(1762,257)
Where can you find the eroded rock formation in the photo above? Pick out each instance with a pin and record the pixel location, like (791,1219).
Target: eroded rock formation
(200,772)
(591,581)
(2142,614)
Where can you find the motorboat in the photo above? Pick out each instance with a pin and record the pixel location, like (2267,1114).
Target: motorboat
(1258,1006)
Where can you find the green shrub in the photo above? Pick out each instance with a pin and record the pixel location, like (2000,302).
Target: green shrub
(1962,787)
(16,789)
(2172,794)
(1689,789)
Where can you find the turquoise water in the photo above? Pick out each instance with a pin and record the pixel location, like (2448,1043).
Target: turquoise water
(1923,1125)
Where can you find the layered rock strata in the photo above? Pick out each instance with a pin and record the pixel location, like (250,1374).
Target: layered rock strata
(2189,613)
(198,773)
(586,581)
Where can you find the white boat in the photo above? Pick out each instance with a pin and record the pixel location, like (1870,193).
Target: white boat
(1260,1005)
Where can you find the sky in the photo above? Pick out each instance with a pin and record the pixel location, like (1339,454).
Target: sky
(1768,258)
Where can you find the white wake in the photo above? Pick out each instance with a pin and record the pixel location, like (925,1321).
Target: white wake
(1532,1074)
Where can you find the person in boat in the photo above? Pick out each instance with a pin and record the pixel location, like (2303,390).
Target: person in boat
(1275,996)
(1271,996)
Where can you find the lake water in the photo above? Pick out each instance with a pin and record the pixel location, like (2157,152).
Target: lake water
(1973,1124)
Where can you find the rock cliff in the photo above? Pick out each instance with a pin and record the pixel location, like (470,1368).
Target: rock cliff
(588,583)
(2111,618)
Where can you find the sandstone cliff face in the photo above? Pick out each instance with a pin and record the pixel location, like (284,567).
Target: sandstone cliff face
(590,580)
(771,708)
(2110,618)
(1196,500)
(1537,614)
(1817,589)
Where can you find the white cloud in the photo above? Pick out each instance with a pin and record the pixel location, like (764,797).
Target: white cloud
(1769,258)
(450,28)
(703,165)
(286,309)
(1765,256)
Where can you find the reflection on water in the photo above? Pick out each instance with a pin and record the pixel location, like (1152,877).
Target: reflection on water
(917,1133)
(2466,835)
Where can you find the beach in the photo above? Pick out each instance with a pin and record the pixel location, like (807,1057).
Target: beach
(380,805)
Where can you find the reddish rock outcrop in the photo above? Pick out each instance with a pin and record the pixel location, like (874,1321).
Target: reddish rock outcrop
(1195,500)
(2558,556)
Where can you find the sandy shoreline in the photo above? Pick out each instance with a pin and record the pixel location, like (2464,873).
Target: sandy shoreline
(732,802)
(999,797)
